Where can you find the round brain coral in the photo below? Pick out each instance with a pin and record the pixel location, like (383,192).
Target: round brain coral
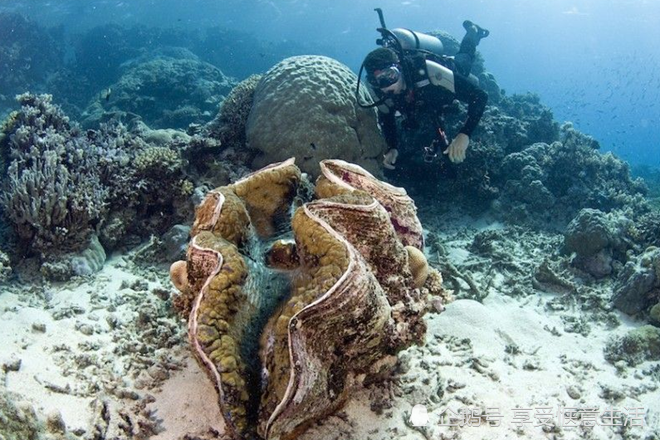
(305,107)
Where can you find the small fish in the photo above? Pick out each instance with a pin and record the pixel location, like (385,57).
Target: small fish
(107,95)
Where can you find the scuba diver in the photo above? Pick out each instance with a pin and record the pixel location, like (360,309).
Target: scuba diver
(408,77)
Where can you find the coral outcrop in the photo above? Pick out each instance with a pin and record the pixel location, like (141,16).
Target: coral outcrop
(166,92)
(305,107)
(596,239)
(229,125)
(638,345)
(20,421)
(53,193)
(352,298)
(551,183)
(63,185)
(638,286)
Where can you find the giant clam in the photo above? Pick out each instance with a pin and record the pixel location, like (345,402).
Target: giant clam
(285,346)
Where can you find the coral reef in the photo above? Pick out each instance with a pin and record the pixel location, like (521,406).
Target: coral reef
(229,125)
(646,230)
(349,256)
(652,178)
(551,183)
(597,238)
(639,345)
(504,129)
(102,50)
(5,267)
(305,107)
(53,194)
(165,92)
(29,54)
(520,120)
(63,185)
(638,286)
(522,165)
(588,233)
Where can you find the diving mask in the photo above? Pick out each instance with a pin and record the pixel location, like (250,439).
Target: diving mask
(385,77)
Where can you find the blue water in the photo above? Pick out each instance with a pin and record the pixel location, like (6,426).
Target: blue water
(594,62)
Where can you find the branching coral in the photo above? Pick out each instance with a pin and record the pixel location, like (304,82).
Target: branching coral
(63,184)
(53,195)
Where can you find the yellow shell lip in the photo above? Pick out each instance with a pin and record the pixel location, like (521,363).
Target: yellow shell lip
(271,167)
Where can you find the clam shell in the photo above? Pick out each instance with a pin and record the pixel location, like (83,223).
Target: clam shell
(283,361)
(338,176)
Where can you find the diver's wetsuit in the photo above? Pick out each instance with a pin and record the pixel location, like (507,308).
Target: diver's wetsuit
(426,98)
(432,99)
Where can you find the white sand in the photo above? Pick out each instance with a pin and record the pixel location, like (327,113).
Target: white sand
(79,361)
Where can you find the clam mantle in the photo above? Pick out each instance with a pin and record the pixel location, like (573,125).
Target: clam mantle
(292,310)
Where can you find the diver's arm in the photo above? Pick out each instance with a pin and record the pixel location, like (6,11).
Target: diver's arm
(463,89)
(476,100)
(388,125)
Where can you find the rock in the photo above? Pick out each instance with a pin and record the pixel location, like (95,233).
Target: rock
(13,364)
(635,288)
(54,423)
(573,392)
(599,265)
(588,233)
(5,267)
(87,262)
(39,327)
(655,314)
(637,346)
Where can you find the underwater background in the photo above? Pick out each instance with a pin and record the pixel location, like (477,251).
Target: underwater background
(594,63)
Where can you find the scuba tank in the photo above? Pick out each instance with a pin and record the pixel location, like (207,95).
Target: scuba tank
(400,40)
(411,40)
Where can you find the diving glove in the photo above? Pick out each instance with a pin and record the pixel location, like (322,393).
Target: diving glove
(457,148)
(389,158)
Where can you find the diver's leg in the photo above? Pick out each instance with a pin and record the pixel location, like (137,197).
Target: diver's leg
(465,56)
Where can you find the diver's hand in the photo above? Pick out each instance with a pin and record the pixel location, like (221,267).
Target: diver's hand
(389,158)
(457,148)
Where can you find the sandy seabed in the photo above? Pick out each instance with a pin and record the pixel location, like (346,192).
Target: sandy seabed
(108,357)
